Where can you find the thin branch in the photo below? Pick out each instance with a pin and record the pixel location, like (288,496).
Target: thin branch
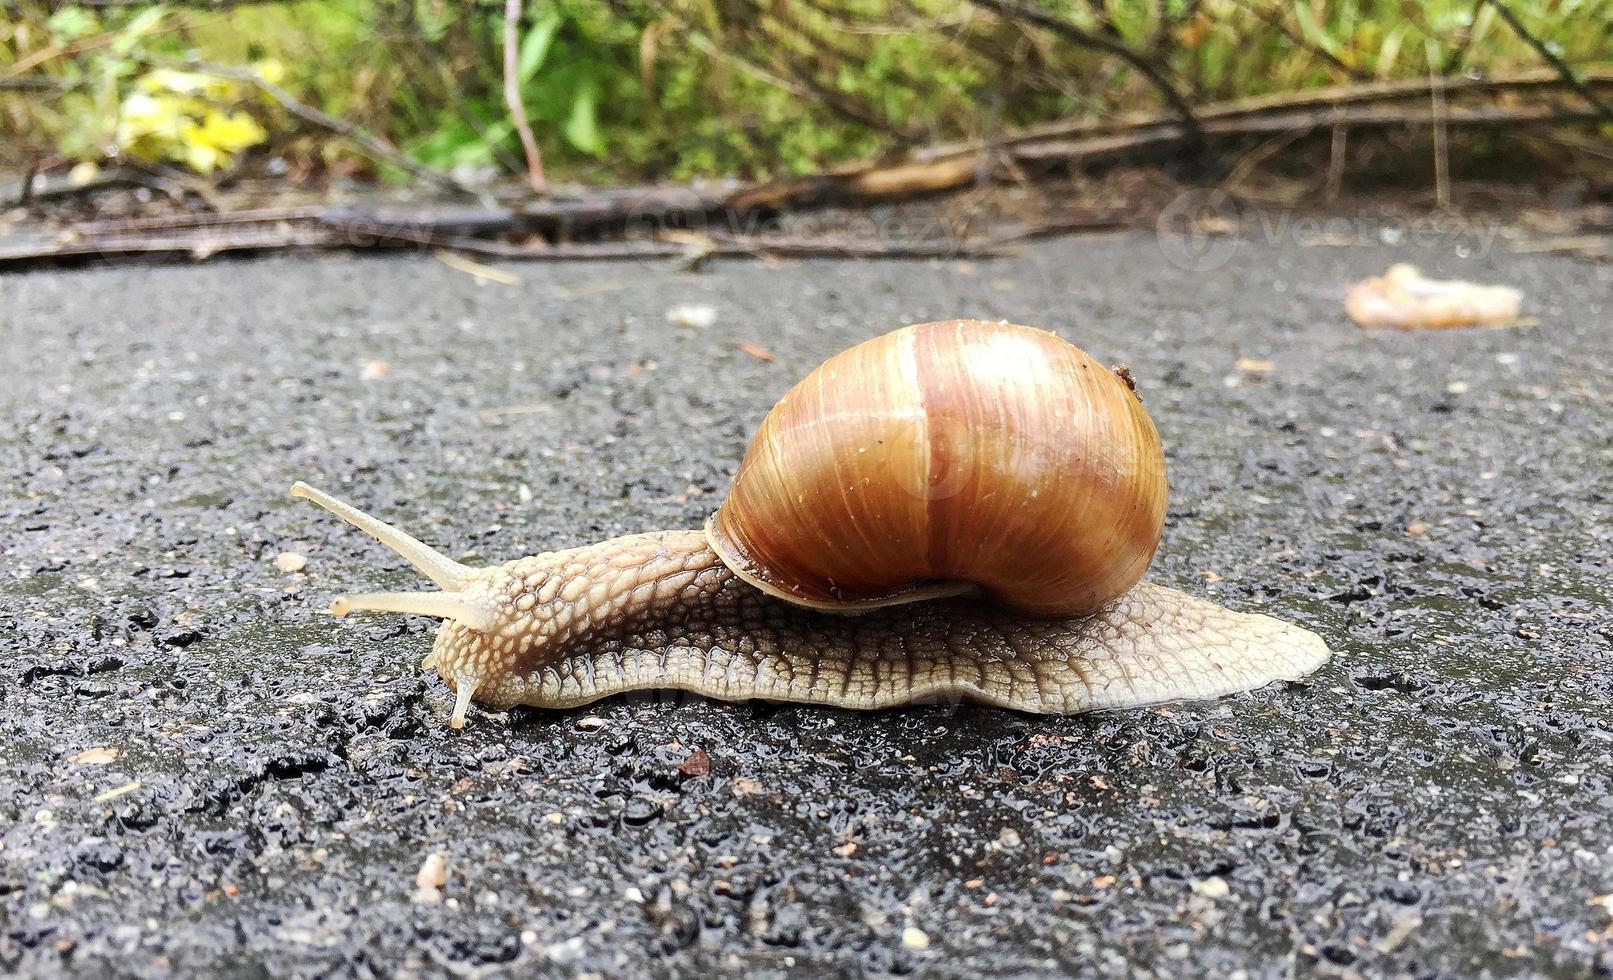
(1080,36)
(512,97)
(842,107)
(1166,133)
(1464,42)
(1550,57)
(1442,160)
(1335,162)
(32,83)
(370,143)
(1277,21)
(1323,98)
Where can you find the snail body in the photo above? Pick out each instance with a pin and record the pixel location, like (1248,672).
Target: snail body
(953,511)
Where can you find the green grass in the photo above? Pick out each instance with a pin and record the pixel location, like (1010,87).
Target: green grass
(636,89)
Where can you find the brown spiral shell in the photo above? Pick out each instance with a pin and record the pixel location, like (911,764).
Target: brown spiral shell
(945,456)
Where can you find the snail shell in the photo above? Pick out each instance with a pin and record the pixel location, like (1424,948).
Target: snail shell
(945,456)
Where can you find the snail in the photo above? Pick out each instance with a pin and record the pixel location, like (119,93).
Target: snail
(954,510)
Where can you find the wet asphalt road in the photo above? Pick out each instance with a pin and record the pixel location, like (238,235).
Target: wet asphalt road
(201,773)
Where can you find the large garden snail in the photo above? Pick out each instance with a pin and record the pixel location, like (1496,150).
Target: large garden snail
(954,510)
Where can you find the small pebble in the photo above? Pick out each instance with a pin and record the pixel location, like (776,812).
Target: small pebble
(1211,887)
(433,874)
(692,315)
(915,938)
(290,561)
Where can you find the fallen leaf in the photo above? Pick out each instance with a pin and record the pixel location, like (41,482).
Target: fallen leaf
(1103,881)
(97,756)
(290,562)
(1405,299)
(1258,367)
(760,353)
(698,764)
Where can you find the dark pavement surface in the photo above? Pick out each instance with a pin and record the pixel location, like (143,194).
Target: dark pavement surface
(1436,802)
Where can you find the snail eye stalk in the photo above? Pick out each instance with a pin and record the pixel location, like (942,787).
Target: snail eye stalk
(452,603)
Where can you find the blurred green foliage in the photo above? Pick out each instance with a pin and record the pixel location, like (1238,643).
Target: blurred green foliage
(635,89)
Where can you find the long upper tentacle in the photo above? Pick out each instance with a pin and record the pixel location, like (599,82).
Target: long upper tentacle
(449,575)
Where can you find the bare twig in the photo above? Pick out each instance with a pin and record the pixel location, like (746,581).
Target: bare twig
(1457,56)
(1442,159)
(1078,35)
(1278,22)
(1251,161)
(1359,117)
(34,187)
(32,83)
(1335,161)
(1338,96)
(367,141)
(841,106)
(1567,74)
(512,97)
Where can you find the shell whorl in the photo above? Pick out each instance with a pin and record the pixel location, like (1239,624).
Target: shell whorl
(945,456)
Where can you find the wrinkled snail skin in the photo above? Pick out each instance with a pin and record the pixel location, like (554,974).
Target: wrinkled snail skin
(661,611)
(954,511)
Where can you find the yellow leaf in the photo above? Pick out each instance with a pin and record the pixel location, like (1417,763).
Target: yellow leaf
(200,157)
(233,132)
